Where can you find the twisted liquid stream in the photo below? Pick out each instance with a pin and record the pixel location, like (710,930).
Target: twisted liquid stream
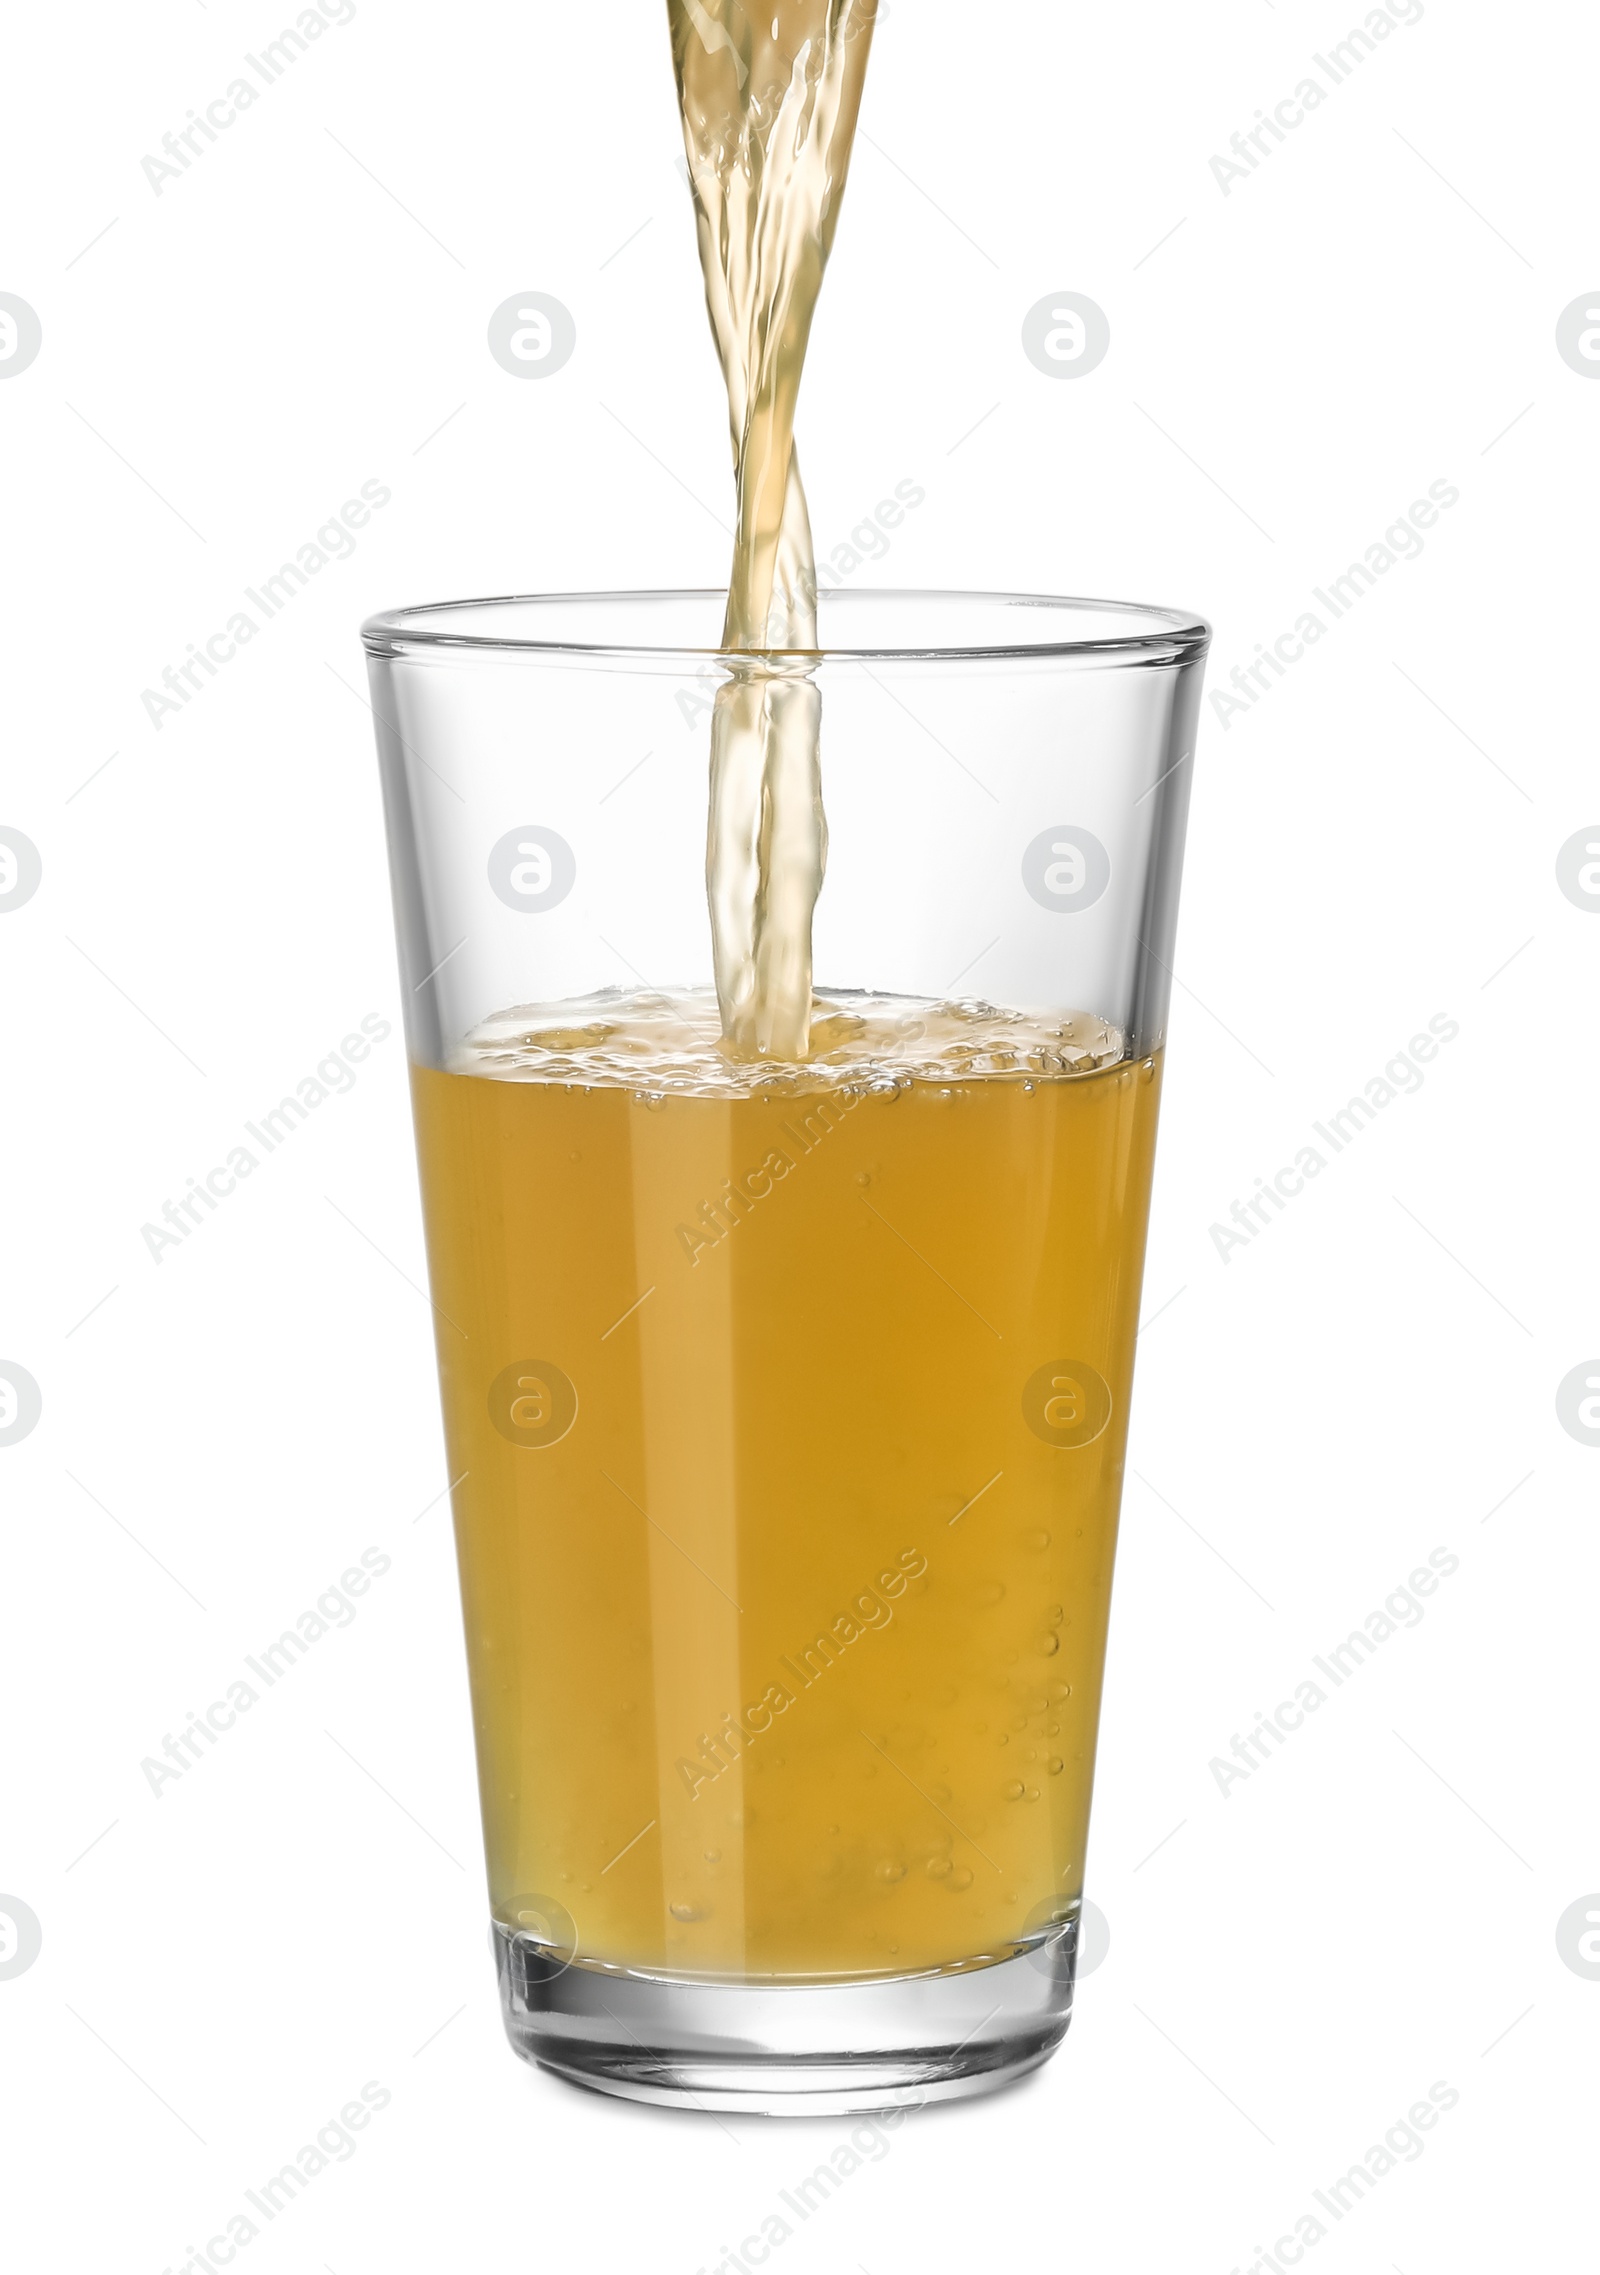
(769,104)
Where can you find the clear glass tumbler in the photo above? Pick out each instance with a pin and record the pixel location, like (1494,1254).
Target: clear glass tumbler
(787,1404)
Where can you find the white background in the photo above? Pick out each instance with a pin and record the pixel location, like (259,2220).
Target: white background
(1373,843)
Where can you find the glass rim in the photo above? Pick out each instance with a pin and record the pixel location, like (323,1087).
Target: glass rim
(1164,635)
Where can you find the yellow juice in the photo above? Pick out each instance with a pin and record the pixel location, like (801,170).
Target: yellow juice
(789,1420)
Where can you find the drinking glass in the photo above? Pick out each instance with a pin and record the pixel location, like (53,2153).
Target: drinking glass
(787,1404)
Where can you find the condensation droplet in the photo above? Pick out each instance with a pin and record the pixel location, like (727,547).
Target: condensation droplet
(1050,1646)
(891,1871)
(990,1592)
(1057,1765)
(961,1877)
(688,1912)
(937,1867)
(1036,1540)
(1015,1790)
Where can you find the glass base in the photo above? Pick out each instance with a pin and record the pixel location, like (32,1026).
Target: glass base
(789,2049)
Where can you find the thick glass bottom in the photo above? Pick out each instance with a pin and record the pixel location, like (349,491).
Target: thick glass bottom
(789,2049)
